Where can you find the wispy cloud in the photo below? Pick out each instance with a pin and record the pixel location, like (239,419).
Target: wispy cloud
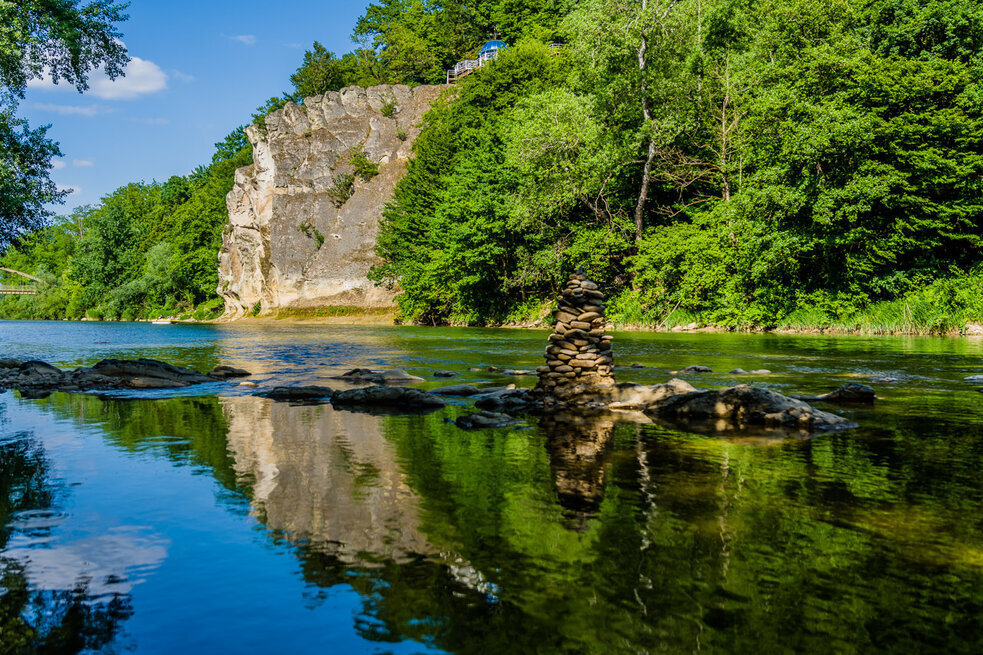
(58,164)
(70,189)
(142,77)
(293,45)
(83,163)
(73,110)
(245,39)
(182,77)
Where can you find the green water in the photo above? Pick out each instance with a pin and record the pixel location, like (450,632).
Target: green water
(226,522)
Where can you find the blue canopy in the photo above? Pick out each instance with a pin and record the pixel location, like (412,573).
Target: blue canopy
(493,45)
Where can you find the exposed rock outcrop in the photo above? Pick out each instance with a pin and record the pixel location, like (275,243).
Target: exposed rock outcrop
(299,236)
(41,377)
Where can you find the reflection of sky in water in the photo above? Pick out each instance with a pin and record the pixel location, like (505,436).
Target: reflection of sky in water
(111,564)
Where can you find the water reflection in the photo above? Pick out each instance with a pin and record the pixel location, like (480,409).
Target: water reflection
(53,598)
(325,477)
(584,534)
(579,446)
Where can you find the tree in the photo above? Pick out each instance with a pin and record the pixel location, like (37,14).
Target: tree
(322,72)
(25,188)
(61,40)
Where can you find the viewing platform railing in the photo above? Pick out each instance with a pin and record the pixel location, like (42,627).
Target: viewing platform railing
(468,66)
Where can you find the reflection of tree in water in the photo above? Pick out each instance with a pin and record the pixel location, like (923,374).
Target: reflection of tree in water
(578,446)
(44,620)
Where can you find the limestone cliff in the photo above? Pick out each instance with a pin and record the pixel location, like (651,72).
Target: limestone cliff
(299,235)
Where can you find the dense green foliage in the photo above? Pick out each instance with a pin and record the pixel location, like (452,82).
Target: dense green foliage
(64,41)
(771,164)
(708,160)
(147,249)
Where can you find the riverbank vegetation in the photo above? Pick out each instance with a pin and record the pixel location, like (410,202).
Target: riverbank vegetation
(775,164)
(770,164)
(148,249)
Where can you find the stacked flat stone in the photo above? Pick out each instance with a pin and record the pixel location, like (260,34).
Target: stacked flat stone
(579,358)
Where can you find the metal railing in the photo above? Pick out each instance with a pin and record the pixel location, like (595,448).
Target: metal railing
(17,291)
(468,66)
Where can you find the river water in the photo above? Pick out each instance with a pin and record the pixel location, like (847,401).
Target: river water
(211,520)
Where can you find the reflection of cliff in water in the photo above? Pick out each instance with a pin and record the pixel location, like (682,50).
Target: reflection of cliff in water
(578,448)
(327,477)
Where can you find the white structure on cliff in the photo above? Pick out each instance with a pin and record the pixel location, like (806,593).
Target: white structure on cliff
(489,51)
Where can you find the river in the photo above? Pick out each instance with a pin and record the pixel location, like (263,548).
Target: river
(210,520)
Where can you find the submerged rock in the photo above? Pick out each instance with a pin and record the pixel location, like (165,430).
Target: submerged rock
(146,369)
(851,392)
(444,374)
(106,375)
(507,400)
(738,371)
(697,369)
(746,405)
(367,376)
(226,372)
(298,393)
(381,395)
(627,395)
(974,378)
(485,420)
(457,390)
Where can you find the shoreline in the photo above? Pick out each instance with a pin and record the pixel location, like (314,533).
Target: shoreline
(388,319)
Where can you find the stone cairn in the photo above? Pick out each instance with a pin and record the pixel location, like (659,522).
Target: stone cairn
(579,358)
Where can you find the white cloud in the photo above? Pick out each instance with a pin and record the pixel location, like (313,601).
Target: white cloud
(72,110)
(245,39)
(183,77)
(83,163)
(142,77)
(58,164)
(70,189)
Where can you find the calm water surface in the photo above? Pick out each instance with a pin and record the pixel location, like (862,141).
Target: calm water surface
(210,520)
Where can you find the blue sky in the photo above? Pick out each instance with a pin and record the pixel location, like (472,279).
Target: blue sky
(199,69)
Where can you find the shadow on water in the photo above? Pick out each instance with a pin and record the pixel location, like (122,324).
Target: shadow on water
(583,534)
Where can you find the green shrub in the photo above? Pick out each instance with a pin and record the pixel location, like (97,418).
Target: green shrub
(363,166)
(342,189)
(389,107)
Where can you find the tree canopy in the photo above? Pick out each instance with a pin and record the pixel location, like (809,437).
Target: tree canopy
(65,41)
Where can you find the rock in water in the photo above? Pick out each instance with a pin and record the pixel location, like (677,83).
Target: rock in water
(851,392)
(579,361)
(391,397)
(485,420)
(367,376)
(746,405)
(297,393)
(226,372)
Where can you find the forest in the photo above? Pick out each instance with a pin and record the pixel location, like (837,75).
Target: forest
(744,164)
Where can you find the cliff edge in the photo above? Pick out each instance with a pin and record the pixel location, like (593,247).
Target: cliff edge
(303,218)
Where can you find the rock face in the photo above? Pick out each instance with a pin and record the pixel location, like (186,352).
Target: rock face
(578,360)
(296,239)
